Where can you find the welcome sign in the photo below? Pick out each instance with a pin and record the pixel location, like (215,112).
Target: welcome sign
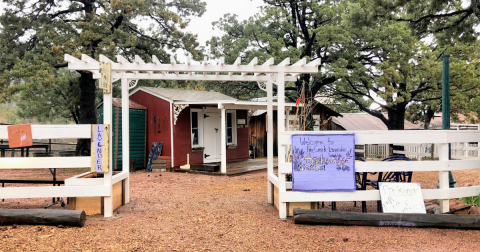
(323,163)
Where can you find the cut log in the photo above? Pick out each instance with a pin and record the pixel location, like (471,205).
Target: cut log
(323,217)
(74,218)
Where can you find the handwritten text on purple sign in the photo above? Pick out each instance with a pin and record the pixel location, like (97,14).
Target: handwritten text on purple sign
(323,162)
(99,148)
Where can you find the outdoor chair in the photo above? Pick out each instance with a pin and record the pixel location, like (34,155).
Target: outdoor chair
(391,176)
(360,180)
(361,183)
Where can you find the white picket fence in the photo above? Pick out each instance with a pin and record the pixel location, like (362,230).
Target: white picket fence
(466,150)
(443,165)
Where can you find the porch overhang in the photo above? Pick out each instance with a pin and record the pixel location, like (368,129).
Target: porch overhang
(250,105)
(237,105)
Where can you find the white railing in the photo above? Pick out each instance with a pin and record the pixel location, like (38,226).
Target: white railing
(443,165)
(40,132)
(75,186)
(465,150)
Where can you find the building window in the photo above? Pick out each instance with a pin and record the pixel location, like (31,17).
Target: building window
(231,127)
(196,124)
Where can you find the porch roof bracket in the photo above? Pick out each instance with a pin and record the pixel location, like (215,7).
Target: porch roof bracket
(177,109)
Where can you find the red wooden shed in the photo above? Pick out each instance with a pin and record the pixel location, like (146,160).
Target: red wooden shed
(189,122)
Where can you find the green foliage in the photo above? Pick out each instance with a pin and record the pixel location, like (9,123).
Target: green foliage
(282,29)
(34,36)
(383,62)
(472,200)
(449,20)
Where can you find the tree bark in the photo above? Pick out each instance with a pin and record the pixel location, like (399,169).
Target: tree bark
(74,218)
(86,113)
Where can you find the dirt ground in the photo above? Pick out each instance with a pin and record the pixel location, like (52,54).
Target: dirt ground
(193,212)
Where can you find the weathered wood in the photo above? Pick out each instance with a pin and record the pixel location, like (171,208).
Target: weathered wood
(323,217)
(75,218)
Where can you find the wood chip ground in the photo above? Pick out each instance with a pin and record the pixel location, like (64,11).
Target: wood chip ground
(193,212)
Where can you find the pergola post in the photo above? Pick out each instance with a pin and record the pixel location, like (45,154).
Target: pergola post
(126,137)
(107,177)
(282,206)
(223,141)
(270,139)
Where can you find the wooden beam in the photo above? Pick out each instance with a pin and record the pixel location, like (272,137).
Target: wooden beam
(325,217)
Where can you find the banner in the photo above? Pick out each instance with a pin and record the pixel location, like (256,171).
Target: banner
(323,163)
(100,148)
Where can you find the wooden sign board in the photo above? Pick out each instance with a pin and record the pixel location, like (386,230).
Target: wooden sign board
(19,135)
(402,198)
(105,82)
(100,148)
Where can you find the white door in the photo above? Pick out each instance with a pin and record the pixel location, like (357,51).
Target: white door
(211,137)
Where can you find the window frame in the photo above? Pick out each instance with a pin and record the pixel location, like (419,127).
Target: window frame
(234,127)
(199,127)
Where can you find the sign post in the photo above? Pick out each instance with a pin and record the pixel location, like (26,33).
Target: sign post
(105,82)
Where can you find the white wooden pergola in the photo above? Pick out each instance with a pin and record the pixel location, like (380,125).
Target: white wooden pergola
(265,75)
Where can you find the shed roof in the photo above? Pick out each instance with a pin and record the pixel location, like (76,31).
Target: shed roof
(117,102)
(364,121)
(187,95)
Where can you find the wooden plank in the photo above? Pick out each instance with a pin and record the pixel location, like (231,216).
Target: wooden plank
(324,217)
(53,191)
(117,195)
(396,136)
(91,205)
(374,195)
(44,162)
(52,131)
(378,166)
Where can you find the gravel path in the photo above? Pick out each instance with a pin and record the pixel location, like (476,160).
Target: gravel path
(189,212)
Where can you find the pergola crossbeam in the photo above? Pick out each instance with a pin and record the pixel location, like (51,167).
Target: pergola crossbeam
(191,71)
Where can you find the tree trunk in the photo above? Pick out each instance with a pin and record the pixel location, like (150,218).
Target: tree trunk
(429,114)
(396,118)
(75,218)
(87,113)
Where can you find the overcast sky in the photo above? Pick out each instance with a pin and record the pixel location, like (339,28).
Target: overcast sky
(216,9)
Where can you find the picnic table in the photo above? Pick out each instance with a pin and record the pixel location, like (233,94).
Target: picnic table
(54,181)
(5,147)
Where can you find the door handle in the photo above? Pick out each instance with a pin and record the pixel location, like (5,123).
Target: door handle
(216,129)
(207,155)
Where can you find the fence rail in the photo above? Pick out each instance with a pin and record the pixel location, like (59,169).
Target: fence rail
(408,138)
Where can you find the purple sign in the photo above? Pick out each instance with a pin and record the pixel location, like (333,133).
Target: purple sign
(323,163)
(98,147)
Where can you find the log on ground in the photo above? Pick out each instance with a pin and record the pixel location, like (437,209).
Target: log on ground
(324,217)
(74,218)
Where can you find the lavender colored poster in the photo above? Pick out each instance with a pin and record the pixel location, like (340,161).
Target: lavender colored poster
(99,147)
(323,163)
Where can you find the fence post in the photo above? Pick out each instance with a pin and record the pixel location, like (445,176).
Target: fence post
(107,177)
(443,153)
(270,186)
(126,138)
(282,190)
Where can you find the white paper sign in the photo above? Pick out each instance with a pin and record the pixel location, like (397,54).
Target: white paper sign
(401,198)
